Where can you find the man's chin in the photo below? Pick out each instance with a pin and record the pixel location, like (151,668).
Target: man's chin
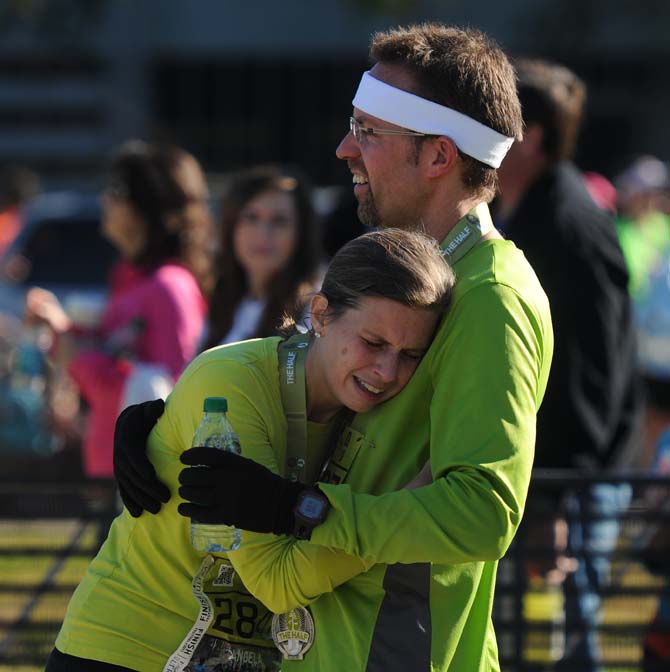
(368,216)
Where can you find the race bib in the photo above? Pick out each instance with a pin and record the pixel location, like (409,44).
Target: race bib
(233,632)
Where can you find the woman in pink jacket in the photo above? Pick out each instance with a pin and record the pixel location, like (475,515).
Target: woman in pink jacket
(155,212)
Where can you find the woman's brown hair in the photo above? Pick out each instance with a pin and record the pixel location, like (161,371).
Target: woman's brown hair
(154,180)
(403,266)
(288,290)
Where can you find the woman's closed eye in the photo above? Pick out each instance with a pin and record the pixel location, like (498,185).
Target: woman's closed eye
(412,355)
(375,345)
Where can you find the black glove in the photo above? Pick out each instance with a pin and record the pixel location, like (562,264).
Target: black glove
(139,488)
(228,489)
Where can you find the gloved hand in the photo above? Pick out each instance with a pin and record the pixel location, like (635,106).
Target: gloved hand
(228,489)
(139,487)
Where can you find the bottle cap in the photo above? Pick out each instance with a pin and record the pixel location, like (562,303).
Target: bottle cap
(215,405)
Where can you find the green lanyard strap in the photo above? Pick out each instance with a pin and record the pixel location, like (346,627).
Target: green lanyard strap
(467,233)
(292,355)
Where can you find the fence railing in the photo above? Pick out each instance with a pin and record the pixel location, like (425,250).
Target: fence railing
(594,603)
(48,534)
(616,571)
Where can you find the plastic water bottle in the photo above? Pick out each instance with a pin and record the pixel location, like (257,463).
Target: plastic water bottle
(215,431)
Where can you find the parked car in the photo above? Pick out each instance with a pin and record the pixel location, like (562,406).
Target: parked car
(59,248)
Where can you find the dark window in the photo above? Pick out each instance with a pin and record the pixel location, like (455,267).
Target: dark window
(235,113)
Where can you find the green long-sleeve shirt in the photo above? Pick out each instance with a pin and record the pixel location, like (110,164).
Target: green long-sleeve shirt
(134,606)
(470,407)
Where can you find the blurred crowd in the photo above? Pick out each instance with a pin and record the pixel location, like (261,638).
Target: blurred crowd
(186,279)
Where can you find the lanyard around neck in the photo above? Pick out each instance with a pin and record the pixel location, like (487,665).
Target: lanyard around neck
(467,233)
(292,355)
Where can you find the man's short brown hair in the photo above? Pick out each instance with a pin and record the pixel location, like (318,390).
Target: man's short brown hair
(462,69)
(552,96)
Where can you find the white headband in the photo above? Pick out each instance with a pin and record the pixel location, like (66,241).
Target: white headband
(418,114)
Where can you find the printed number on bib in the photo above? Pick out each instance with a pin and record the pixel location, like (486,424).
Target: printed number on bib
(239,618)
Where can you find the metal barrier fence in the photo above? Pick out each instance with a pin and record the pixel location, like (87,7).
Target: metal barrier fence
(597,612)
(48,533)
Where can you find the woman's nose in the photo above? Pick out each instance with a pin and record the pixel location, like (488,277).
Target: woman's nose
(263,226)
(387,367)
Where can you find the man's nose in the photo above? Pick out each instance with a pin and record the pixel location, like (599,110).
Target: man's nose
(348,147)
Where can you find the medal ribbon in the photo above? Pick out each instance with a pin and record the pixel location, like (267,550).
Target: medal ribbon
(182,656)
(292,355)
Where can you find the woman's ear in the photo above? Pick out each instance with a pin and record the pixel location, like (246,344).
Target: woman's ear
(318,308)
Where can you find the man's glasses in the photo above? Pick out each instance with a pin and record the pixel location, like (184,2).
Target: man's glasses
(359,131)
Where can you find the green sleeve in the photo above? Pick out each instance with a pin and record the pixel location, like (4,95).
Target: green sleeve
(488,375)
(279,571)
(284,573)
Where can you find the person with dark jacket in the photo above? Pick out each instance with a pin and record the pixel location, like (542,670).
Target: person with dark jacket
(590,408)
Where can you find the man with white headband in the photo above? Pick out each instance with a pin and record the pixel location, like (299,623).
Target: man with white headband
(431,122)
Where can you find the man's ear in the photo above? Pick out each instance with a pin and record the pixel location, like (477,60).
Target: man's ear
(441,155)
(318,311)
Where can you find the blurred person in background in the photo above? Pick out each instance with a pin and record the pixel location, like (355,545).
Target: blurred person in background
(642,225)
(18,185)
(654,339)
(155,212)
(655,546)
(644,230)
(590,408)
(269,258)
(601,190)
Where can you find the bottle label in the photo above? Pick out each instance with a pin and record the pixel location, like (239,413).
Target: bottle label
(233,631)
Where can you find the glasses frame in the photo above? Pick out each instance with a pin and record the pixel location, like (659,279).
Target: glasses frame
(359,131)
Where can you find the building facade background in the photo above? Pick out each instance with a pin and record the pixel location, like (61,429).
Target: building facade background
(239,83)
